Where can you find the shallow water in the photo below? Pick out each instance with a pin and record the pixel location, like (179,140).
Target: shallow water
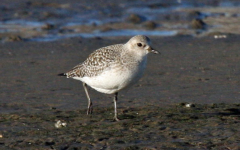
(111,33)
(39,21)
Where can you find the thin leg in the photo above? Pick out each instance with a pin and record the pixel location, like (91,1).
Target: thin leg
(90,108)
(115,106)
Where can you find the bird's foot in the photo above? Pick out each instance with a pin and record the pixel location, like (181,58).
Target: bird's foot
(116,118)
(89,110)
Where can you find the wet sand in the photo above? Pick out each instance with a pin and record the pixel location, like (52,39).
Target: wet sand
(187,99)
(203,71)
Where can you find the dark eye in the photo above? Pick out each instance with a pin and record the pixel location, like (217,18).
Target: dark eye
(139,44)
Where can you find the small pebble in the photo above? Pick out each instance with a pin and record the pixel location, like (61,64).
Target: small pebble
(60,124)
(220,36)
(188,105)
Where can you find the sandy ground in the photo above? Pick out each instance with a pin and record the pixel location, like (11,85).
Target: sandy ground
(203,71)
(187,99)
(196,70)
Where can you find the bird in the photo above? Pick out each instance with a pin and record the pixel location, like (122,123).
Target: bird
(113,68)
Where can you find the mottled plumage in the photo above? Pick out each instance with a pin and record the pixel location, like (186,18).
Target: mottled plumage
(113,68)
(96,62)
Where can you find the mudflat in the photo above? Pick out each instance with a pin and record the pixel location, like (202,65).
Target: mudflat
(188,97)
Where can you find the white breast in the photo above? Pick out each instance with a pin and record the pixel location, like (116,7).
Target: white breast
(116,78)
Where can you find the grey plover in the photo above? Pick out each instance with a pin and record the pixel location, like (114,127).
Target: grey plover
(113,68)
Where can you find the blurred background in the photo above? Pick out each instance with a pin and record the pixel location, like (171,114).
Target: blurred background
(42,20)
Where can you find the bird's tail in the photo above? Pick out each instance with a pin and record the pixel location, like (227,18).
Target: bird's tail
(62,74)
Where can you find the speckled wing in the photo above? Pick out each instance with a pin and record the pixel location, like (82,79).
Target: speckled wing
(97,62)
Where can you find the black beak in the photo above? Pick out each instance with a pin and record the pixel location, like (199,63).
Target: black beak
(153,51)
